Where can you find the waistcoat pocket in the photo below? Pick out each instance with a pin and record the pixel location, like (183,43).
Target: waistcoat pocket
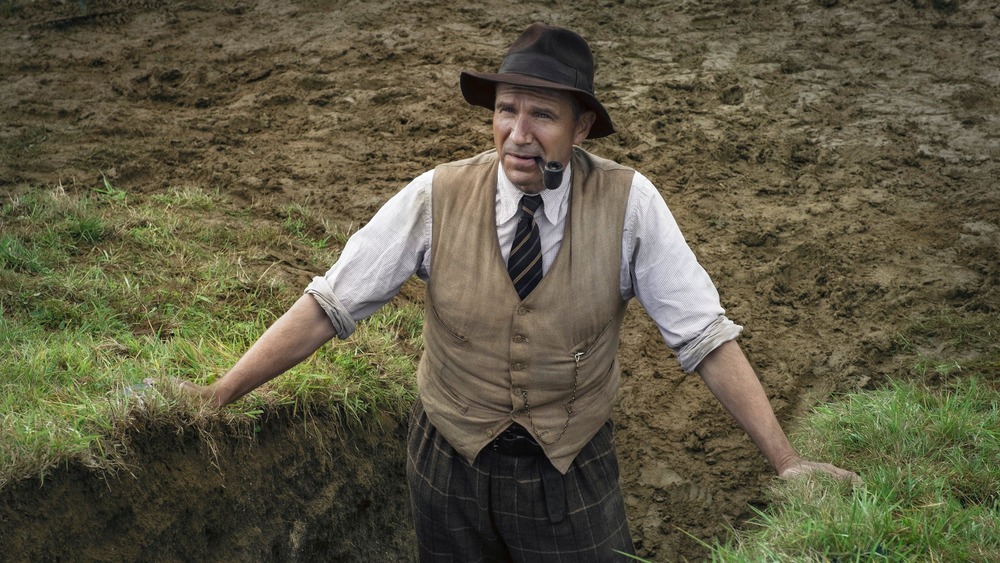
(446,328)
(582,350)
(441,382)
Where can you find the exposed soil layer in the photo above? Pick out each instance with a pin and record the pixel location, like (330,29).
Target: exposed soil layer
(833,164)
(301,490)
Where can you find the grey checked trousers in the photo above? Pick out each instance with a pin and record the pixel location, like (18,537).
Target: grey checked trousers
(495,509)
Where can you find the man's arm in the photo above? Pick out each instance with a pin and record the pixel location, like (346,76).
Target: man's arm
(291,339)
(729,377)
(373,266)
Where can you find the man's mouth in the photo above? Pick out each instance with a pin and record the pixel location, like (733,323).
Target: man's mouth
(525,159)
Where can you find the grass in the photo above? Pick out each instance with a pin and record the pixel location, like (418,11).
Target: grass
(105,295)
(928,448)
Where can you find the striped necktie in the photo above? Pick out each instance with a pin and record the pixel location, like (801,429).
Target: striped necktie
(525,262)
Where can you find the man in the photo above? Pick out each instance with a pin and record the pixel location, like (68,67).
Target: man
(510,450)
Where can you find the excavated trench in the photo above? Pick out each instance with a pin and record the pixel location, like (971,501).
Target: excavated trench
(298,490)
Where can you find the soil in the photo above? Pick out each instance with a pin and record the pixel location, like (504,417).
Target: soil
(833,164)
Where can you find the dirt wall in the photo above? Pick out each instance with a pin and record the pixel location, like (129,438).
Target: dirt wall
(298,489)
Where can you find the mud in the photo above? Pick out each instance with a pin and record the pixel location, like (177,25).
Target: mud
(833,164)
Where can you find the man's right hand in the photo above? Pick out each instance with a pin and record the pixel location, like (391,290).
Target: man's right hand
(204,393)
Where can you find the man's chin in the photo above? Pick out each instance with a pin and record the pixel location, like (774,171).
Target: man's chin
(527,184)
(526,180)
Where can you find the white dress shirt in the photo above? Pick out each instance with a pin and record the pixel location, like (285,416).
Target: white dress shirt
(658,267)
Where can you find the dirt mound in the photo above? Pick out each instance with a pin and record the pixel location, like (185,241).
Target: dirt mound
(832,163)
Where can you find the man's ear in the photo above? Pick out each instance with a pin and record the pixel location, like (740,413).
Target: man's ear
(583,125)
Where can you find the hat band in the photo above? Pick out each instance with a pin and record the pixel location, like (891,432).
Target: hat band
(546,68)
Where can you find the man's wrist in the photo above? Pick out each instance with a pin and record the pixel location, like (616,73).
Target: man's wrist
(217,394)
(790,460)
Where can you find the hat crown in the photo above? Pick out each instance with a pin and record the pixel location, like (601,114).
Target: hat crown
(552,53)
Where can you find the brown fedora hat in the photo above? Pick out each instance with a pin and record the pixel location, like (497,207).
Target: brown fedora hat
(543,57)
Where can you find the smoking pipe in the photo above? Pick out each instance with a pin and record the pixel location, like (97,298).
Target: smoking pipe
(552,172)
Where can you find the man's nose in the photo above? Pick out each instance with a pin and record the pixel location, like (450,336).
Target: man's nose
(521,131)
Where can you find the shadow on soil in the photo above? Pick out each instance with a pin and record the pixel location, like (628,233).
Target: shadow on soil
(297,492)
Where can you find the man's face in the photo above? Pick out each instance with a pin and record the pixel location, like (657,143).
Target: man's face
(534,122)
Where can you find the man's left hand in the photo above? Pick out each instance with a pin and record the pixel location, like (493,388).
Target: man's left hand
(802,468)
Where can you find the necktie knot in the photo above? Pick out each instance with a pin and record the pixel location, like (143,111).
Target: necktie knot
(530,204)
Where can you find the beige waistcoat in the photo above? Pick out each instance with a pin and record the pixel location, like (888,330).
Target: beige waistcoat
(547,362)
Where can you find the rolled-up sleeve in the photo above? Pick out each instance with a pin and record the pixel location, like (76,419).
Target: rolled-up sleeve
(665,276)
(340,317)
(378,259)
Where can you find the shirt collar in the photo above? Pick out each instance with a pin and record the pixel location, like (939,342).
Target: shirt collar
(509,198)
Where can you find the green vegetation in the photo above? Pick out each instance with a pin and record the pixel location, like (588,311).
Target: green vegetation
(928,449)
(106,295)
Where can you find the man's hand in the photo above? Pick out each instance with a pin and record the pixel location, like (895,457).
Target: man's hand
(802,468)
(204,393)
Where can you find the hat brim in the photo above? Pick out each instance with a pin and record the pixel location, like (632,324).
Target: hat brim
(479,89)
